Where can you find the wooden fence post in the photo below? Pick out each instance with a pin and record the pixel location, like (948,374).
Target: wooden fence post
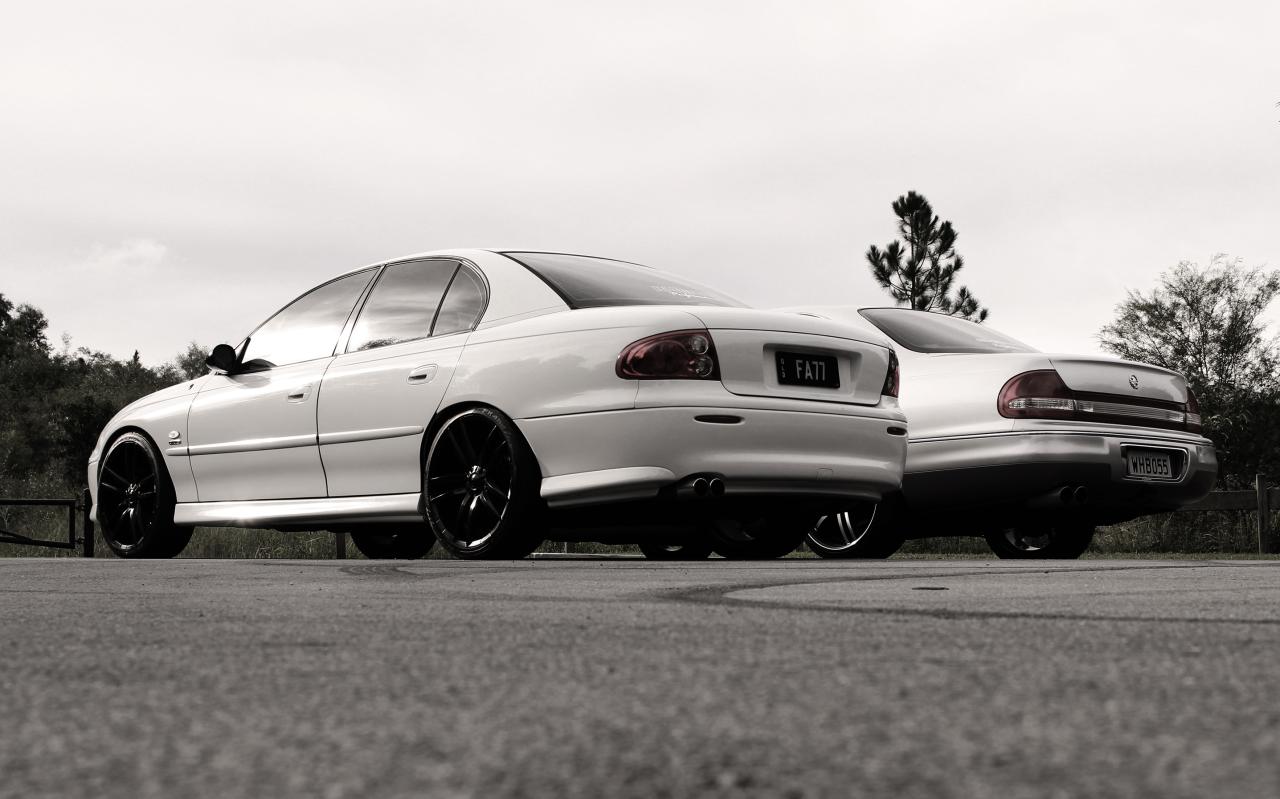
(1264,514)
(340,546)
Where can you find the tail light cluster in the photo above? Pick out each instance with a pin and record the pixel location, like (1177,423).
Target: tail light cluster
(891,378)
(1042,395)
(678,355)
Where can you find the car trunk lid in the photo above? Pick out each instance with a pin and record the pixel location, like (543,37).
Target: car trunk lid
(1120,379)
(777,354)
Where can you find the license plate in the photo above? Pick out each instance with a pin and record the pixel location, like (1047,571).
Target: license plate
(800,369)
(1149,463)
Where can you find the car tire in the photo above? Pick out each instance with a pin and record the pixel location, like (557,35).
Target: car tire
(684,550)
(1043,541)
(136,501)
(394,543)
(867,531)
(763,538)
(480,487)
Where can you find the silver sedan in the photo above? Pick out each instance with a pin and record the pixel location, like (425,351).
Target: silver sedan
(1030,450)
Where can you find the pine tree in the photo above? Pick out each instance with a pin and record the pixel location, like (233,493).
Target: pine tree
(919,272)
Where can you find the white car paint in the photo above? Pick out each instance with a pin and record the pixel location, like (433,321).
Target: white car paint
(339,438)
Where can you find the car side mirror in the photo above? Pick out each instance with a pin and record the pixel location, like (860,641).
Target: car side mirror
(224,359)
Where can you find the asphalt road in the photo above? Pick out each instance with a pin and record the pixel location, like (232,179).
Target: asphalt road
(627,678)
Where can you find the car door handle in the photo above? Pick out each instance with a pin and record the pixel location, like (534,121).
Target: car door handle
(423,374)
(299,394)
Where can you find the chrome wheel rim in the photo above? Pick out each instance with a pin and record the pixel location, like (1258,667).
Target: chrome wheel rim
(470,480)
(127,493)
(841,531)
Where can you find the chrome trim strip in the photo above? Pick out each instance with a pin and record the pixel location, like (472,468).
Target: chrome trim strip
(349,436)
(1136,411)
(253,445)
(265,512)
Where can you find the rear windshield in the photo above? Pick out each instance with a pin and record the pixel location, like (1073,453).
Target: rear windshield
(922,331)
(586,282)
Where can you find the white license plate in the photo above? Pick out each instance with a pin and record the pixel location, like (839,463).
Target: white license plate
(1149,463)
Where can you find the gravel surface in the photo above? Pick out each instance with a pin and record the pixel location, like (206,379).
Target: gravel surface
(587,678)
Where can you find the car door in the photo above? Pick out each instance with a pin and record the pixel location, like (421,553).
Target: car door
(378,397)
(253,435)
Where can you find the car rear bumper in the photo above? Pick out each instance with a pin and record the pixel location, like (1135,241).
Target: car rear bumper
(612,456)
(1022,466)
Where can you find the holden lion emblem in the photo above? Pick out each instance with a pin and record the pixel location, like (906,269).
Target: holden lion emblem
(1133,382)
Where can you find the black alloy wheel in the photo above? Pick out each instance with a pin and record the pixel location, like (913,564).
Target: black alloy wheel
(481,487)
(1064,540)
(394,542)
(136,501)
(692,549)
(762,538)
(866,530)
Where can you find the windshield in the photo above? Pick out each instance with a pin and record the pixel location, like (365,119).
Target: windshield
(922,331)
(585,282)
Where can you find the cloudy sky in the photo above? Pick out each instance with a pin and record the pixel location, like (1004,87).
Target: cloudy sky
(174,172)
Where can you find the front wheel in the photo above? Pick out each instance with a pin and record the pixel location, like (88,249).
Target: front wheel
(685,550)
(394,542)
(1043,541)
(763,538)
(866,530)
(136,502)
(480,483)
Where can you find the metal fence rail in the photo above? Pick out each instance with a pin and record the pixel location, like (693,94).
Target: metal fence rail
(75,507)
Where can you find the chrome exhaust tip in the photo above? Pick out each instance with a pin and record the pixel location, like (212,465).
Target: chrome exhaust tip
(701,486)
(717,487)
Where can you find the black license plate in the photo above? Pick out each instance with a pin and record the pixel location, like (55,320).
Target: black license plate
(800,369)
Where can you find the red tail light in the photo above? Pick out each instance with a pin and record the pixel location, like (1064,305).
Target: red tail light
(892,377)
(1043,395)
(1037,395)
(678,355)
(1194,423)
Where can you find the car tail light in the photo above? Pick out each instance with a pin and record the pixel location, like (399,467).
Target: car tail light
(1194,423)
(1037,395)
(1043,395)
(892,377)
(678,355)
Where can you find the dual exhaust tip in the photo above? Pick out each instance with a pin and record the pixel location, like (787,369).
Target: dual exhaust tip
(706,487)
(1068,496)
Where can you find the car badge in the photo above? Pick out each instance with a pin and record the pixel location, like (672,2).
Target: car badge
(175,437)
(1133,382)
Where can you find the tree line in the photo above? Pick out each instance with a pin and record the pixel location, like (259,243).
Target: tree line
(54,402)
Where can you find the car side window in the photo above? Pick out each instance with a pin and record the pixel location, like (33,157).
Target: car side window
(402,304)
(462,306)
(308,328)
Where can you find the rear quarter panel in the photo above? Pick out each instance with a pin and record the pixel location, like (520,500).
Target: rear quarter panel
(558,363)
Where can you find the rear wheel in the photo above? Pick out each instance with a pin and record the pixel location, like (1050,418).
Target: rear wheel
(867,530)
(763,538)
(136,501)
(685,550)
(394,543)
(1041,541)
(481,486)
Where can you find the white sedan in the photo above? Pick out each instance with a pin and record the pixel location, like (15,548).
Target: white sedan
(497,399)
(1030,450)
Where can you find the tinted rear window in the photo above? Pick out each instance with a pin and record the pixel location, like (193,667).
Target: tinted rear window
(922,331)
(586,282)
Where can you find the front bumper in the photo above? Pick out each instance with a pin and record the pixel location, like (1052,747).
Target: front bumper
(613,456)
(1010,468)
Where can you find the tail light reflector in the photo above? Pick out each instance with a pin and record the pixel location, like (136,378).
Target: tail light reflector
(892,377)
(1194,422)
(678,355)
